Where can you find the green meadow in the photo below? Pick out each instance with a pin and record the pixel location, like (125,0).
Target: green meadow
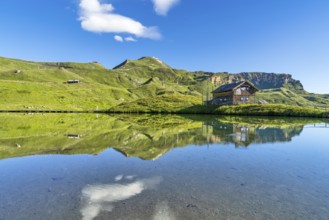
(146,85)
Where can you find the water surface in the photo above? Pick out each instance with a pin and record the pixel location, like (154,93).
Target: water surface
(162,167)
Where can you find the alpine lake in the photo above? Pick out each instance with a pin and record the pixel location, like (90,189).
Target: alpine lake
(157,167)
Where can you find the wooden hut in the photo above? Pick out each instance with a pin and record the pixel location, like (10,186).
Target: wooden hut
(72,81)
(234,93)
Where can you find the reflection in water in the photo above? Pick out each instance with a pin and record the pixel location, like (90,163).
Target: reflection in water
(276,181)
(101,197)
(145,136)
(244,135)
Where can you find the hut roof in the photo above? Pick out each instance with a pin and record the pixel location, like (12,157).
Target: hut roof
(232,86)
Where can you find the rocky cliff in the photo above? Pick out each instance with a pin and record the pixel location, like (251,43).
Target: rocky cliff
(260,79)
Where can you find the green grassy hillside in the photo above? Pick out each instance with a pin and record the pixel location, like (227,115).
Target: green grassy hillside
(135,85)
(293,97)
(33,85)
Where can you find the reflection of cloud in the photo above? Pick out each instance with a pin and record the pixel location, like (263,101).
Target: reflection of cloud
(118,177)
(101,197)
(163,212)
(130,177)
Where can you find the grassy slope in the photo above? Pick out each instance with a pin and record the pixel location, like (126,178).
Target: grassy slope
(40,85)
(144,85)
(291,97)
(172,103)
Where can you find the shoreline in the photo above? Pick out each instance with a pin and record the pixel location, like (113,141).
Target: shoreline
(50,111)
(269,110)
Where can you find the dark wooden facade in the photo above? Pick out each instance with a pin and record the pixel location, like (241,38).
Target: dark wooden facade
(72,81)
(234,93)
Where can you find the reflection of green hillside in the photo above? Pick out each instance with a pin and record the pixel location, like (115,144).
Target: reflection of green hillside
(143,136)
(270,121)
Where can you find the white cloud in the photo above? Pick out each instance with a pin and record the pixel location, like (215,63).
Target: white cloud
(162,7)
(118,38)
(94,6)
(99,18)
(127,39)
(130,39)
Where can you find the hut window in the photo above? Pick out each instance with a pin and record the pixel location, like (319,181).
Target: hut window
(238,91)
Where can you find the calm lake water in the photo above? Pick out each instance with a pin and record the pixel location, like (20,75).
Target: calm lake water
(78,166)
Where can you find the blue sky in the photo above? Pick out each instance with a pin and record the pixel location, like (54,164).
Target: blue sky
(282,36)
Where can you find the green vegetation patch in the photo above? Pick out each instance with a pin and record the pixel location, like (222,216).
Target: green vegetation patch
(174,103)
(271,110)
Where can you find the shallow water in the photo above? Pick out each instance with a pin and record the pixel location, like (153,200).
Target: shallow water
(162,167)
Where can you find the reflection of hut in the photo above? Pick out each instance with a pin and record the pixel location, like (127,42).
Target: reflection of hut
(234,93)
(243,135)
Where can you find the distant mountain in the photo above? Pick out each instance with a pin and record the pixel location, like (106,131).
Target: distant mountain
(261,80)
(148,62)
(146,81)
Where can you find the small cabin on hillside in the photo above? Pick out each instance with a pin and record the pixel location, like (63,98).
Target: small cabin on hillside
(72,81)
(234,93)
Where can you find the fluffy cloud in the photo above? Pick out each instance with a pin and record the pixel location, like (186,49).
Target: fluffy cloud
(130,39)
(121,39)
(99,18)
(118,38)
(162,7)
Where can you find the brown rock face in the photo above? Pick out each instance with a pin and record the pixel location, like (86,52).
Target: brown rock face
(260,80)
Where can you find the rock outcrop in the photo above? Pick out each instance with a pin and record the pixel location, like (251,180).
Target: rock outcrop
(260,79)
